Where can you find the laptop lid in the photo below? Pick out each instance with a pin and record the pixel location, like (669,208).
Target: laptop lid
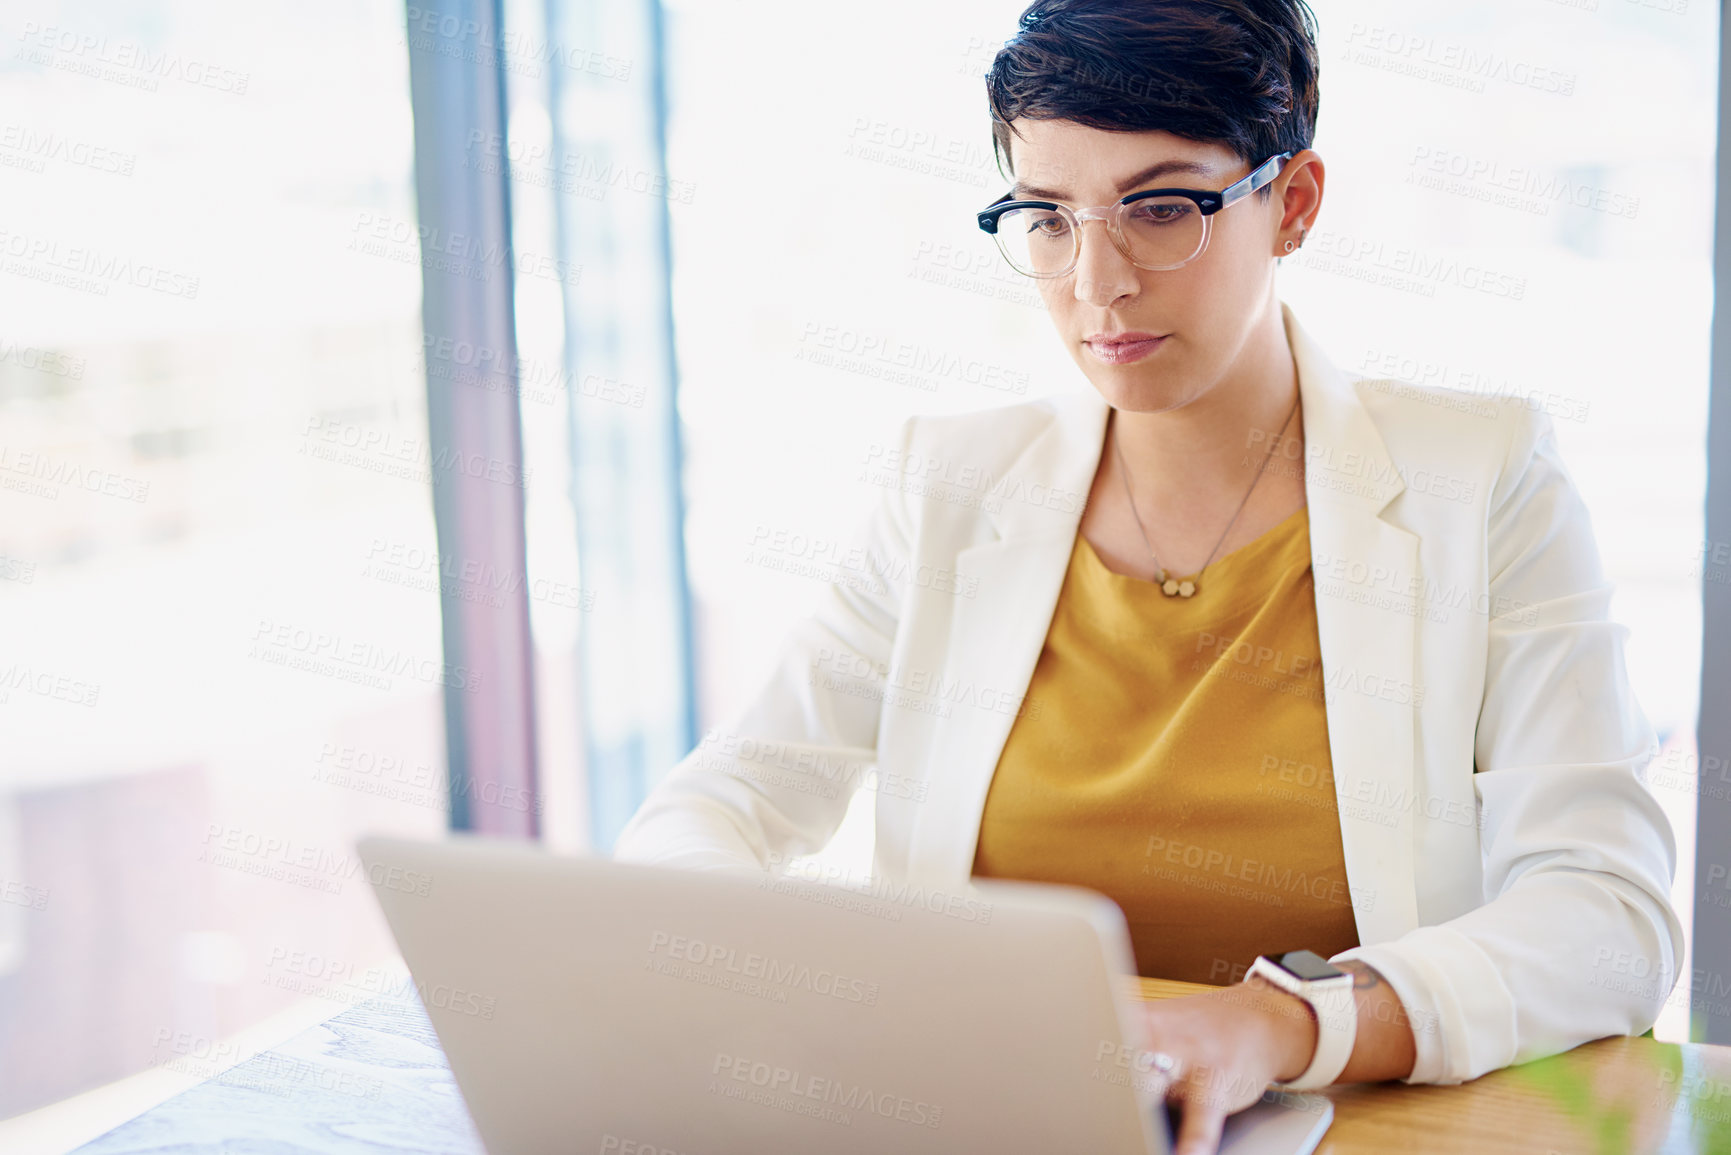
(588,1005)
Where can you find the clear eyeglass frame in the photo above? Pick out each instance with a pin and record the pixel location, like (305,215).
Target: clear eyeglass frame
(1208,202)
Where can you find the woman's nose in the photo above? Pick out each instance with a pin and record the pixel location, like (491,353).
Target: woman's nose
(1103,273)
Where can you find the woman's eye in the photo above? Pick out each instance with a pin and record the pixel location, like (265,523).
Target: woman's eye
(1159,213)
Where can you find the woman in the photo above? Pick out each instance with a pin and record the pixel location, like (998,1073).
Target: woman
(1273,658)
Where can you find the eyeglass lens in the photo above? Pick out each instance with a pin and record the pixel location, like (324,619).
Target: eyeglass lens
(1157,230)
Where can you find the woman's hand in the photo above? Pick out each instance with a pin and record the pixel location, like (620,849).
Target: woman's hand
(1230,1044)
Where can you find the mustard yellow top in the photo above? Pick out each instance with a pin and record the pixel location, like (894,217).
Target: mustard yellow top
(1179,762)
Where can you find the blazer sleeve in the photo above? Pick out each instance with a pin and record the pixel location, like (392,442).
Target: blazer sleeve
(1578,856)
(774,781)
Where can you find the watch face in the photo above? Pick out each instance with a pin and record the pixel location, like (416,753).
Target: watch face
(1308,965)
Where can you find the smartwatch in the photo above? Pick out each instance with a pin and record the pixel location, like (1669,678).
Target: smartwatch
(1328,990)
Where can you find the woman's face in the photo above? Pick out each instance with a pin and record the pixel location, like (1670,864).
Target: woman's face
(1207,310)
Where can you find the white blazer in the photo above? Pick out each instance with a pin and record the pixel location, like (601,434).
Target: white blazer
(1510,874)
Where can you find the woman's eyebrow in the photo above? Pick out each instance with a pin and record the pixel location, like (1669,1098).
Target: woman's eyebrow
(1031,192)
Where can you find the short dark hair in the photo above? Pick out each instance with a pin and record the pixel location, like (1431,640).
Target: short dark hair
(1241,73)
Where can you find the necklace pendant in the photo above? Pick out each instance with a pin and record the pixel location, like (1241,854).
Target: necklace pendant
(1186,589)
(1169,587)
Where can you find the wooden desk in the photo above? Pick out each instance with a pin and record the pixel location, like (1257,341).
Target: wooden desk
(373,1080)
(1606,1097)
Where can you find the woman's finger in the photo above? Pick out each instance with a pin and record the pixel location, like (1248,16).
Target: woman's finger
(1199,1125)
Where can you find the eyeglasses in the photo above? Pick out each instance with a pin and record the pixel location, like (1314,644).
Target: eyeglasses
(1160,228)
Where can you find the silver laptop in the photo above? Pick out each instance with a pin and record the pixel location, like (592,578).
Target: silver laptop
(587,1005)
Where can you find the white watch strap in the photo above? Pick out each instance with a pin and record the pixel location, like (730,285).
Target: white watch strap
(1336,1022)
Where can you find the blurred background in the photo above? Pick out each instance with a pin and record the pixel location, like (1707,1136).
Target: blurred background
(274,528)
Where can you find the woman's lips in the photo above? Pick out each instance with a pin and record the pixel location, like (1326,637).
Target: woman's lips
(1121,352)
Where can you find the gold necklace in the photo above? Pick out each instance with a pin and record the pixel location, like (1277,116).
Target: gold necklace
(1172,587)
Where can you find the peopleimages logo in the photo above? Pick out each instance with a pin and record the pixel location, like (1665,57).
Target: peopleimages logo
(303,863)
(126,62)
(799,1092)
(88,269)
(932,472)
(43,475)
(833,884)
(784,974)
(515,51)
(352,659)
(928,685)
(742,754)
(309,973)
(1365,257)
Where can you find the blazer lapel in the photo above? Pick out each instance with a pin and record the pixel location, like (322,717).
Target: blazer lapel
(995,639)
(1367,650)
